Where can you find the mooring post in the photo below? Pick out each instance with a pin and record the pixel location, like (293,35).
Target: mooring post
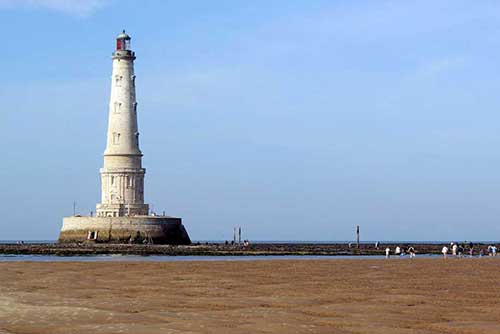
(357,236)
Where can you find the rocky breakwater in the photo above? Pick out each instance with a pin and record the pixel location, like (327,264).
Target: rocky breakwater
(214,249)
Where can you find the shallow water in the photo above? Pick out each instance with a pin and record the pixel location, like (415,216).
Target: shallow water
(162,258)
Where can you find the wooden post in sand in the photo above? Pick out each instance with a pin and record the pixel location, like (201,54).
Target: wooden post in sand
(357,236)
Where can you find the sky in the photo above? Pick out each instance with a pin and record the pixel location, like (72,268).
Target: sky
(296,120)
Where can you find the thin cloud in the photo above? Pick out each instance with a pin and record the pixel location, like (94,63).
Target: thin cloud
(436,67)
(71,7)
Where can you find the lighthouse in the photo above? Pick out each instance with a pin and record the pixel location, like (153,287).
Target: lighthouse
(122,216)
(122,176)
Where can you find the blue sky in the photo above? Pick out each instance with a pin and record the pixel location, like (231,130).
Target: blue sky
(297,120)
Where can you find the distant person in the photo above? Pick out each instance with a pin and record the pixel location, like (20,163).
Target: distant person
(454,249)
(481,252)
(471,251)
(460,251)
(376,245)
(489,250)
(398,250)
(387,252)
(494,250)
(411,251)
(445,252)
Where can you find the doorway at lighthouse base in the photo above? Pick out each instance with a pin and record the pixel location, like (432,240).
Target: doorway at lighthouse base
(135,229)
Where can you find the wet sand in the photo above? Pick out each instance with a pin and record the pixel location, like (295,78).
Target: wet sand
(282,296)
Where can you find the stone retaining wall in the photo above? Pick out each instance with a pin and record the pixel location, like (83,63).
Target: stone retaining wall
(137,229)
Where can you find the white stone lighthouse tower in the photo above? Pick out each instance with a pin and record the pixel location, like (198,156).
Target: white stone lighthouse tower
(122,177)
(122,216)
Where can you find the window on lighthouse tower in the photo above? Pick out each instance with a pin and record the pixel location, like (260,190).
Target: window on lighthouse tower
(118,80)
(118,107)
(116,138)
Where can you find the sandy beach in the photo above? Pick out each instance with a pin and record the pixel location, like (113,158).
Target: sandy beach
(282,296)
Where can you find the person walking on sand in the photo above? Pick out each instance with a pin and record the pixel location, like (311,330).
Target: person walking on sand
(398,250)
(454,249)
(494,250)
(445,252)
(411,251)
(387,253)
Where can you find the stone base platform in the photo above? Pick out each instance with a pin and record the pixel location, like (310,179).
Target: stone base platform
(136,229)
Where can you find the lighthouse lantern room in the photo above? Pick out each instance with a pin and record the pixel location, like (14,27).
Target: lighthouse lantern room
(123,42)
